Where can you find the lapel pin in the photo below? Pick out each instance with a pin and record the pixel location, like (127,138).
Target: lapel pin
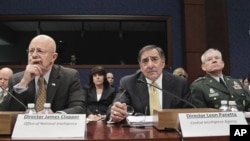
(53,84)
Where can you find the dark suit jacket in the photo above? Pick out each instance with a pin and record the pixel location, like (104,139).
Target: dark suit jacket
(207,92)
(64,92)
(137,94)
(101,106)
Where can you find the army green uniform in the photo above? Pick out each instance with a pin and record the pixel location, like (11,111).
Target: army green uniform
(207,92)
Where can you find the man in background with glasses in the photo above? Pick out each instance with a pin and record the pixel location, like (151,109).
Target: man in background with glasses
(136,91)
(62,85)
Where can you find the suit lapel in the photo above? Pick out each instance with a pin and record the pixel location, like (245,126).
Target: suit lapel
(53,84)
(105,94)
(230,84)
(167,85)
(142,93)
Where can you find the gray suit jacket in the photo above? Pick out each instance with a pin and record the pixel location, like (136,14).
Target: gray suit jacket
(137,94)
(64,92)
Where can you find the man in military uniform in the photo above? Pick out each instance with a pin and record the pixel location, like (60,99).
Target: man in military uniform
(208,91)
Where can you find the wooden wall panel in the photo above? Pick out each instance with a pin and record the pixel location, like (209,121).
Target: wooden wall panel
(195,33)
(204,27)
(194,66)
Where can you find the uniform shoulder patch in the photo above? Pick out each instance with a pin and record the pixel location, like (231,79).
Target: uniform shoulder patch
(199,79)
(228,76)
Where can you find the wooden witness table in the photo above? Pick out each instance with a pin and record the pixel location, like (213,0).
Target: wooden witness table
(115,132)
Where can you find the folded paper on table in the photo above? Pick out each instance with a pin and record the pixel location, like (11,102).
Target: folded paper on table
(140,120)
(49,126)
(209,124)
(247,116)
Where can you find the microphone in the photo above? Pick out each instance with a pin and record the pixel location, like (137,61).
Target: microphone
(123,92)
(169,93)
(3,89)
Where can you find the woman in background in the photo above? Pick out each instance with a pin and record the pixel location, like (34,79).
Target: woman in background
(99,94)
(180,72)
(245,82)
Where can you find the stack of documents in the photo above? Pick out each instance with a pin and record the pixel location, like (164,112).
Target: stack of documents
(247,116)
(140,121)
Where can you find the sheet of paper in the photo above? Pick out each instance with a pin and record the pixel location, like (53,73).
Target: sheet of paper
(49,126)
(210,123)
(140,120)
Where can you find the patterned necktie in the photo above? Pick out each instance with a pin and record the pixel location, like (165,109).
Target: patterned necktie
(41,95)
(153,99)
(1,96)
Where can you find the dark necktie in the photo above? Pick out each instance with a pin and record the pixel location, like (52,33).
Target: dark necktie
(222,82)
(41,95)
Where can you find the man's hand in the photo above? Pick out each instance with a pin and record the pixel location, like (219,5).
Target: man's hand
(30,72)
(118,112)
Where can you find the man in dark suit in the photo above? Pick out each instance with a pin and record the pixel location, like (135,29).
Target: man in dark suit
(63,87)
(5,74)
(208,91)
(152,63)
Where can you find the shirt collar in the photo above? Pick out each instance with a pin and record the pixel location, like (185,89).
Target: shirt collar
(218,78)
(45,76)
(158,81)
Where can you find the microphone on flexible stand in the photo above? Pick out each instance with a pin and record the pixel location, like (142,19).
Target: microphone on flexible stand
(169,93)
(122,93)
(3,89)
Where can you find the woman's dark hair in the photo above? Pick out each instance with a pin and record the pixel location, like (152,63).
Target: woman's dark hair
(101,71)
(244,78)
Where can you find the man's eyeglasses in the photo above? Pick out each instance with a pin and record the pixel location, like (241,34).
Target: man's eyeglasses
(38,51)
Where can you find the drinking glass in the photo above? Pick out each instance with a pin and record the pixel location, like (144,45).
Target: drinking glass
(130,110)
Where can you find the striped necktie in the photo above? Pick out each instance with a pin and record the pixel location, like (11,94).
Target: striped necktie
(1,96)
(41,95)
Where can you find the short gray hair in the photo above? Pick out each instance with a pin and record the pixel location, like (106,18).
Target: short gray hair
(204,55)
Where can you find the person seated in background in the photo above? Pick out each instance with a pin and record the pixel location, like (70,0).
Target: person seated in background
(99,95)
(62,86)
(208,91)
(245,82)
(72,60)
(110,78)
(5,74)
(180,72)
(144,98)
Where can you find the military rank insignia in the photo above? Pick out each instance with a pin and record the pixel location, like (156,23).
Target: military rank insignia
(212,93)
(236,86)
